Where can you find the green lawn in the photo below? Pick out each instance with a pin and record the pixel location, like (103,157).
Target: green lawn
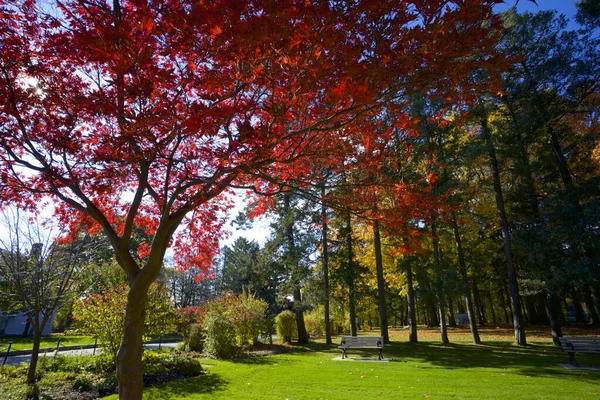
(19,343)
(496,370)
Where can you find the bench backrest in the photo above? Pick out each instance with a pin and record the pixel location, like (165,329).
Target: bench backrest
(362,341)
(575,343)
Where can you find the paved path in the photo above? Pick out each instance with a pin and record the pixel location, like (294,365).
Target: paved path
(25,358)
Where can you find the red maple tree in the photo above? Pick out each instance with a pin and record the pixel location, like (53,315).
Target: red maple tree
(142,113)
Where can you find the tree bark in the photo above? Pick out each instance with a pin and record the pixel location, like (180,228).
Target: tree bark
(129,357)
(479,310)
(451,319)
(35,353)
(351,273)
(410,302)
(590,303)
(492,311)
(299,310)
(383,321)
(465,280)
(440,295)
(325,260)
(520,338)
(289,237)
(554,321)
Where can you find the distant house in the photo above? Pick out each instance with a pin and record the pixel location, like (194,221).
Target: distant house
(14,323)
(18,325)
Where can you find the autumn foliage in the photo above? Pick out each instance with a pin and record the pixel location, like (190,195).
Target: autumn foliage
(142,114)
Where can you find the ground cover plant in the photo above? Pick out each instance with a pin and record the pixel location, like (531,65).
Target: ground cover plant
(90,377)
(497,369)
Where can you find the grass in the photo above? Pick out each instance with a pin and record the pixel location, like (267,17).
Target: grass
(496,370)
(19,343)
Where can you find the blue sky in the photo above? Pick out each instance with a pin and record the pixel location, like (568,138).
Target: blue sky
(566,7)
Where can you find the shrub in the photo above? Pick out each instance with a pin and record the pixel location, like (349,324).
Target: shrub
(156,362)
(108,385)
(195,338)
(315,322)
(184,365)
(83,383)
(220,335)
(187,316)
(249,317)
(286,325)
(103,314)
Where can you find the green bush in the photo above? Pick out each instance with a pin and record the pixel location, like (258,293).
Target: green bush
(286,325)
(83,383)
(184,365)
(220,339)
(249,317)
(101,364)
(102,314)
(108,385)
(196,338)
(315,322)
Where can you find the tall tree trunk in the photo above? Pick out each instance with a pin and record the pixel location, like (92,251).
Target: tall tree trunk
(325,266)
(351,275)
(440,295)
(579,313)
(410,303)
(465,280)
(492,311)
(383,321)
(35,352)
(479,310)
(503,305)
(299,310)
(512,275)
(590,304)
(554,321)
(129,357)
(451,319)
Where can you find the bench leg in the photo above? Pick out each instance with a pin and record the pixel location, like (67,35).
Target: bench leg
(343,353)
(572,360)
(381,354)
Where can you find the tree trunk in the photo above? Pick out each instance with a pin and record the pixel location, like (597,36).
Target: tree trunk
(512,275)
(129,357)
(503,304)
(325,267)
(479,310)
(579,313)
(410,303)
(440,295)
(554,321)
(299,310)
(350,277)
(383,322)
(451,319)
(492,311)
(590,304)
(465,280)
(35,352)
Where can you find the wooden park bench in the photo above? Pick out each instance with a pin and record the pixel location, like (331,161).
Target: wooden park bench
(574,345)
(361,342)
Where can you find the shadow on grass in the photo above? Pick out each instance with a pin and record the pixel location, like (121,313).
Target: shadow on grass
(533,360)
(203,384)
